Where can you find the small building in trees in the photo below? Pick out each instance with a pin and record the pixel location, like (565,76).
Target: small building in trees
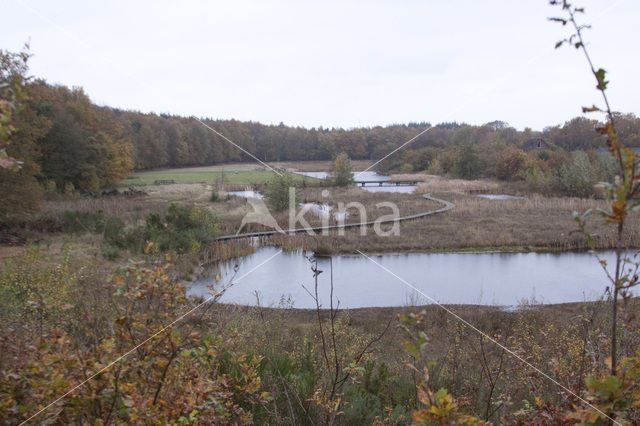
(535,144)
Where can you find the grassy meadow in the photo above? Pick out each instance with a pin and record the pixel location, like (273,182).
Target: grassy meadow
(237,173)
(201,175)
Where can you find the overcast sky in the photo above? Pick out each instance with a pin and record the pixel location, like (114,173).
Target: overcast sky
(325,63)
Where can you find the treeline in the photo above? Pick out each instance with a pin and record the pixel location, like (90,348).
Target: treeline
(67,143)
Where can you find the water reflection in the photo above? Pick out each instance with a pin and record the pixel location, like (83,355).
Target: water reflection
(246,194)
(324,211)
(488,278)
(368,175)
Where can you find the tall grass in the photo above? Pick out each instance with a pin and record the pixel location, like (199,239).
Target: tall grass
(433,183)
(533,223)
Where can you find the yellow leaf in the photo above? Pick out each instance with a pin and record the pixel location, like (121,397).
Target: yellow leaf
(619,211)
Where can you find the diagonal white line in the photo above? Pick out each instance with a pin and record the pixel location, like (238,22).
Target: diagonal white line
(122,357)
(237,146)
(490,87)
(491,339)
(397,149)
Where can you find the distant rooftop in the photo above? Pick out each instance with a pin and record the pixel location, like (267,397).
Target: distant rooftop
(535,144)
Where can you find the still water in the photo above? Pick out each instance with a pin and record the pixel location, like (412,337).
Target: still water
(504,279)
(246,194)
(325,211)
(368,175)
(403,189)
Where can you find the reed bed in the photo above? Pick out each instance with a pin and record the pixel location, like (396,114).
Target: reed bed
(433,183)
(125,208)
(180,192)
(535,223)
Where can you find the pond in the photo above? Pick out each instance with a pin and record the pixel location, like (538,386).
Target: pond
(324,211)
(368,175)
(246,194)
(503,279)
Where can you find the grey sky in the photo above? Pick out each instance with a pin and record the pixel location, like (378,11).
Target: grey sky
(330,63)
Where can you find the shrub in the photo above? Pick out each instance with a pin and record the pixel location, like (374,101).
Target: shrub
(113,231)
(32,290)
(69,189)
(174,376)
(435,168)
(77,222)
(278,192)
(538,180)
(183,229)
(578,177)
(111,252)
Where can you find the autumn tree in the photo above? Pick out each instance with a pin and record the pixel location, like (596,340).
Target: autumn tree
(20,128)
(86,146)
(13,79)
(467,164)
(510,164)
(340,172)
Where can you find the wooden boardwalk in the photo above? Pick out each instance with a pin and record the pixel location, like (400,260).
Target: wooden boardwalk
(447,206)
(391,182)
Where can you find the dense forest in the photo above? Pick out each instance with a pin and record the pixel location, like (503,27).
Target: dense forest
(68,143)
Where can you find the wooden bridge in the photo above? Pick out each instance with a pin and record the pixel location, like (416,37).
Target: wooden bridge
(391,182)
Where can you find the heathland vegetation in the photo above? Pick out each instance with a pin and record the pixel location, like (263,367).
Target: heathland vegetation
(96,326)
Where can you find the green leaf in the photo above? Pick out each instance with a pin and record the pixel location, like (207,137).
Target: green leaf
(411,348)
(600,76)
(422,337)
(605,387)
(441,394)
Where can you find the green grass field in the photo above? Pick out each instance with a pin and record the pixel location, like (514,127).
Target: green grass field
(201,175)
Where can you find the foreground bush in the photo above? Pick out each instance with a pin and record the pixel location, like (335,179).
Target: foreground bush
(138,372)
